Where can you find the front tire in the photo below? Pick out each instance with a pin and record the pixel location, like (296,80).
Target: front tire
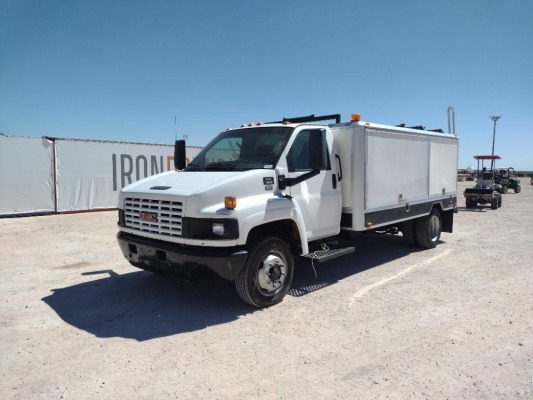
(267,275)
(428,230)
(518,189)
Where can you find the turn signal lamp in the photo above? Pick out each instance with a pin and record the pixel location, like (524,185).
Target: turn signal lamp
(230,202)
(356,117)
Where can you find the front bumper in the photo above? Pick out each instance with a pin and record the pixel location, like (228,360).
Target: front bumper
(478,194)
(185,261)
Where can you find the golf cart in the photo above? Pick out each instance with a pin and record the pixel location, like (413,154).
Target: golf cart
(507,178)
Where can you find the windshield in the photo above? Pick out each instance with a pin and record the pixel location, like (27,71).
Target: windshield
(243,149)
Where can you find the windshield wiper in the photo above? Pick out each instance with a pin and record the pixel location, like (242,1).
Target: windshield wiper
(194,167)
(223,166)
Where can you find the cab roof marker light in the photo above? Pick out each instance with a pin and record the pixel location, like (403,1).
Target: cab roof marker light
(355,117)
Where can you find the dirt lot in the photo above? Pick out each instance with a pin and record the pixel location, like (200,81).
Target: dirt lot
(389,321)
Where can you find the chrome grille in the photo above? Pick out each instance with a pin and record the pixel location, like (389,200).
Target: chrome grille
(169,214)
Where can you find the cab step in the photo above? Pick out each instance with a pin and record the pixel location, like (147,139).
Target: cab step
(329,254)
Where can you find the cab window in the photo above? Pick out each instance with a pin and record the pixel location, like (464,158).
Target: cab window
(298,156)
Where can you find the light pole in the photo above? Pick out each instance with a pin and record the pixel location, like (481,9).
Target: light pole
(495,118)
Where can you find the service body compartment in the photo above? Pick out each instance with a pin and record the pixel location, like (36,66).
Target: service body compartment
(393,174)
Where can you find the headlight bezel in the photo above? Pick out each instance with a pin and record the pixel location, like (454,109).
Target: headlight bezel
(203,228)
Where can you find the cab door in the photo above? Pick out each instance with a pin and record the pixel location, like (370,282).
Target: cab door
(319,197)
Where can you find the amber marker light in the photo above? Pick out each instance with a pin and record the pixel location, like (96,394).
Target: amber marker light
(356,117)
(230,202)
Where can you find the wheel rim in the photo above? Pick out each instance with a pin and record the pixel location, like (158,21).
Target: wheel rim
(271,273)
(434,228)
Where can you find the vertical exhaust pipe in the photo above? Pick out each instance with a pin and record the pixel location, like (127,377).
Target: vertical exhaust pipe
(451,121)
(179,155)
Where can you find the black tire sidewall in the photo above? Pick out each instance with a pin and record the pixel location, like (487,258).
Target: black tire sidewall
(248,275)
(409,232)
(423,231)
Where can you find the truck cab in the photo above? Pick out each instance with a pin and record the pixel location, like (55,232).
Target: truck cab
(274,186)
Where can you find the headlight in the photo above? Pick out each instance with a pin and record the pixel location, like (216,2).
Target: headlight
(218,228)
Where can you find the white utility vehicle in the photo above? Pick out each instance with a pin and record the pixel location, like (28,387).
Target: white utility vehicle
(257,195)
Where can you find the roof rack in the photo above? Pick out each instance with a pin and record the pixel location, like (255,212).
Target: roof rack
(420,128)
(309,118)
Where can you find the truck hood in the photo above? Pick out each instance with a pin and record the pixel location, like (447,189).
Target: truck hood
(182,183)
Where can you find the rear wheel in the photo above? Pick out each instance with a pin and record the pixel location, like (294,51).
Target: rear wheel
(505,188)
(494,204)
(428,230)
(499,202)
(470,203)
(409,232)
(267,275)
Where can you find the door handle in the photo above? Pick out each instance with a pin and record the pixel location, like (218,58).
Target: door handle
(340,167)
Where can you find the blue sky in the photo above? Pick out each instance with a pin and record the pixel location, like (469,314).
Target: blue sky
(122,70)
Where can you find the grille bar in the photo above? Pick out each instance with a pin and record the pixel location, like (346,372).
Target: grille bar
(168,221)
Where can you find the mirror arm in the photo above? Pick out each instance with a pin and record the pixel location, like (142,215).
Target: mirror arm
(284,182)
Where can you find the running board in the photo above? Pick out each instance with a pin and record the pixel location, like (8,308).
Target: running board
(326,255)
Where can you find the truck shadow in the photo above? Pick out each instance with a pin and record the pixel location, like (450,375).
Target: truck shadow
(144,306)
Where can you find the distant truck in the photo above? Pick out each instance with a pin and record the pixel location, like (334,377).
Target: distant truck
(256,196)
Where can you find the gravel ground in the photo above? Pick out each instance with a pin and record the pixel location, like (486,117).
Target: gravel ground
(389,321)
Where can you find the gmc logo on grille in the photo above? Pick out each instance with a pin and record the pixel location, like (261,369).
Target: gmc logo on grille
(148,216)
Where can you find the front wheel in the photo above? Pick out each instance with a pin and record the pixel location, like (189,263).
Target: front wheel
(428,229)
(517,189)
(267,275)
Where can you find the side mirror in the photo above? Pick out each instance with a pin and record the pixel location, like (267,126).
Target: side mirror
(179,155)
(317,150)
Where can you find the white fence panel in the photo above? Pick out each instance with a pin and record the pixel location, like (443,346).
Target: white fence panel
(90,173)
(26,175)
(86,174)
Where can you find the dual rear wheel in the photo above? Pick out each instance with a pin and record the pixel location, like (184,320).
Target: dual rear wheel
(424,231)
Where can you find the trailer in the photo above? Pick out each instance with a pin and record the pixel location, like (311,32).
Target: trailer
(259,195)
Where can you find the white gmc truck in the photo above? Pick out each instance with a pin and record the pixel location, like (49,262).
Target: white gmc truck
(258,195)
